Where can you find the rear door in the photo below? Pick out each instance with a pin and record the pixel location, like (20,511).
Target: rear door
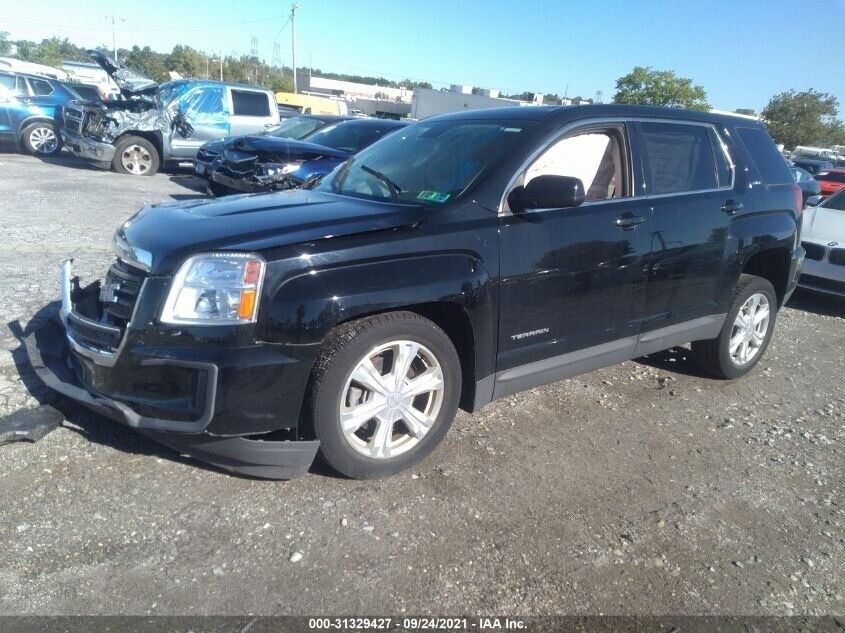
(252,111)
(695,194)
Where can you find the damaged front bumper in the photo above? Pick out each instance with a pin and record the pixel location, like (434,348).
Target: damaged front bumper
(95,152)
(73,368)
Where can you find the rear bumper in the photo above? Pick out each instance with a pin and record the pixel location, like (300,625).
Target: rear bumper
(95,152)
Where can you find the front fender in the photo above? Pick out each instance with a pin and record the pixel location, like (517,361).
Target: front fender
(307,305)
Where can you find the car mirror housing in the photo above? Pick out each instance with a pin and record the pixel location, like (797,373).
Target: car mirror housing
(547,192)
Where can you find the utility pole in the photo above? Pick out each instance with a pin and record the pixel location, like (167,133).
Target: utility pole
(293,9)
(113,19)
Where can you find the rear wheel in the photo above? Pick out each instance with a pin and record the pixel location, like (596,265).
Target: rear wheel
(746,333)
(136,156)
(383,393)
(41,139)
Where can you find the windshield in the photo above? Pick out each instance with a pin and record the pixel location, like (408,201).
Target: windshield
(836,201)
(349,136)
(425,163)
(295,128)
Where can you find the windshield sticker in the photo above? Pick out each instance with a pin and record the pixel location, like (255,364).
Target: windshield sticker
(433,196)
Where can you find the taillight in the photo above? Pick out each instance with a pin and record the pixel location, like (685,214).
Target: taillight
(799,199)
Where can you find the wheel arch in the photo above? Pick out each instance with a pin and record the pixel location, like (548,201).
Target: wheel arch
(772,264)
(35,118)
(152,136)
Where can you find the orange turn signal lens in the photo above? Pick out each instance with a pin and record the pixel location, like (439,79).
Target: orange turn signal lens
(246,309)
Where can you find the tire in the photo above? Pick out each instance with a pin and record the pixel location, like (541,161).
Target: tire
(722,359)
(41,139)
(136,156)
(335,397)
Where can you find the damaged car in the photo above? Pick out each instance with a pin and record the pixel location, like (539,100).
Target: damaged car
(251,164)
(153,124)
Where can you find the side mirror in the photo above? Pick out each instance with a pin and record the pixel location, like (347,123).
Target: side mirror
(547,192)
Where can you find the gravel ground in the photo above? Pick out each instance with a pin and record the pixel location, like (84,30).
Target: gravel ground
(644,488)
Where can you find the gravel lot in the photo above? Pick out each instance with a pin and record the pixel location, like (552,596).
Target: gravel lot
(644,488)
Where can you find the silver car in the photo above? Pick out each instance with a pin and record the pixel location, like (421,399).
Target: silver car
(823,237)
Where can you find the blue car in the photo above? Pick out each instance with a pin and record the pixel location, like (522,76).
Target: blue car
(31,110)
(252,164)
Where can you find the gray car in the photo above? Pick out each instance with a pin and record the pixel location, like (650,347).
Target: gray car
(152,124)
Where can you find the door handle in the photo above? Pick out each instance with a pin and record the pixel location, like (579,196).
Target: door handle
(731,207)
(629,221)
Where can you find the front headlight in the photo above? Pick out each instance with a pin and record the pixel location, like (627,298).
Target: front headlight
(279,169)
(215,288)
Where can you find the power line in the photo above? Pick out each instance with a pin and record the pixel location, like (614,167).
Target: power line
(130,28)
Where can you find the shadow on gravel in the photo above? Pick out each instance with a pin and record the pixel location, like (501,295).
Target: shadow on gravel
(66,159)
(97,428)
(825,305)
(677,360)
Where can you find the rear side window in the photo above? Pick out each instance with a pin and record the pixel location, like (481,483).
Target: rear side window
(8,81)
(40,88)
(248,103)
(680,157)
(770,163)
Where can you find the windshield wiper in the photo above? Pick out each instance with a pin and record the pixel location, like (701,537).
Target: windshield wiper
(395,189)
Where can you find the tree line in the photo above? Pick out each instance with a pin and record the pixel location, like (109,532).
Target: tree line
(807,117)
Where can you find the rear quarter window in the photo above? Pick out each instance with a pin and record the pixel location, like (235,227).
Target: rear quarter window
(249,103)
(771,165)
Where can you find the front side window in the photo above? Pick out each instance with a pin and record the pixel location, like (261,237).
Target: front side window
(680,158)
(836,201)
(249,103)
(40,88)
(596,157)
(205,106)
(428,163)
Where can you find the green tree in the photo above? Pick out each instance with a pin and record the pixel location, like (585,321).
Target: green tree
(5,44)
(805,118)
(646,86)
(147,62)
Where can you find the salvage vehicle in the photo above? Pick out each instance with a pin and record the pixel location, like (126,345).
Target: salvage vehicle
(823,238)
(467,257)
(153,124)
(296,128)
(30,111)
(251,164)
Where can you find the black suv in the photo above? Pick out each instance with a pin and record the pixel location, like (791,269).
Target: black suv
(468,257)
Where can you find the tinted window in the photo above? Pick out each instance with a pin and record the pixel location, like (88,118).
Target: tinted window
(680,157)
(766,156)
(86,92)
(349,136)
(836,201)
(247,103)
(594,157)
(40,88)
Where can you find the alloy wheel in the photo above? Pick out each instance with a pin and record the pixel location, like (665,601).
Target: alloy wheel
(136,159)
(749,329)
(391,399)
(43,140)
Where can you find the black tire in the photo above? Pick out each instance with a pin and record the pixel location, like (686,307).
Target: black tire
(713,356)
(127,142)
(341,352)
(27,138)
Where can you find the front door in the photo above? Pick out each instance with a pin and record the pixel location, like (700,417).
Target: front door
(205,109)
(573,280)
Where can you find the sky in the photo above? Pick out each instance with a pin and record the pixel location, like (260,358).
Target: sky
(741,52)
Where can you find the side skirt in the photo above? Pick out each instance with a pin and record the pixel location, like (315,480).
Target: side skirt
(543,372)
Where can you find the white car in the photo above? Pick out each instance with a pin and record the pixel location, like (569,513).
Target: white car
(823,237)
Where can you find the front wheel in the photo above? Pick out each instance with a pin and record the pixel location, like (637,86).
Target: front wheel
(383,393)
(746,333)
(135,155)
(41,139)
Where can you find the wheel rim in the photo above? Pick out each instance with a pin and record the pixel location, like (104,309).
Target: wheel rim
(136,159)
(749,329)
(391,399)
(43,140)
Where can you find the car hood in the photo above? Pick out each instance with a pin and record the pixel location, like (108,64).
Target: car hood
(273,149)
(171,232)
(129,81)
(823,225)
